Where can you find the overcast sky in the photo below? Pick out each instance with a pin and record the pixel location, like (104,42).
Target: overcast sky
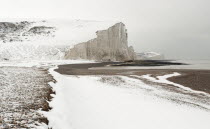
(176,28)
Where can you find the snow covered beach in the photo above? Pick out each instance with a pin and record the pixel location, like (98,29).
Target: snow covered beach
(120,102)
(23,92)
(104,100)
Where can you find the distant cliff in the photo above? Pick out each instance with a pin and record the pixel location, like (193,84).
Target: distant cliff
(110,45)
(149,56)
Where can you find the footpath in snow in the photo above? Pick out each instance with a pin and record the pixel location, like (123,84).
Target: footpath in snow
(85,102)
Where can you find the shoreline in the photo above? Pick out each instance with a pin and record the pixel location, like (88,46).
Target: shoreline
(192,78)
(99,93)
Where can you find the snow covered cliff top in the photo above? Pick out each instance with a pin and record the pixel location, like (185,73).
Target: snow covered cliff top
(62,31)
(25,39)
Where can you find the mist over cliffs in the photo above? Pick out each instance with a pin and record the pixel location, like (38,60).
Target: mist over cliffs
(109,45)
(28,39)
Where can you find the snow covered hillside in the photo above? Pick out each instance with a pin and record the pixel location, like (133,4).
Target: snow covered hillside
(40,39)
(23,51)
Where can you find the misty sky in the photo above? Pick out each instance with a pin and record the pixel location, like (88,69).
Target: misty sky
(176,28)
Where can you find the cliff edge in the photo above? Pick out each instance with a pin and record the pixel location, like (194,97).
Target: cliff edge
(109,45)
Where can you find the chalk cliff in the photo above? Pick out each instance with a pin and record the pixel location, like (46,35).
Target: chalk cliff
(109,45)
(36,39)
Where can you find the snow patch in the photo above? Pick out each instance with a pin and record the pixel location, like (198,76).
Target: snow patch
(41,63)
(24,51)
(163,79)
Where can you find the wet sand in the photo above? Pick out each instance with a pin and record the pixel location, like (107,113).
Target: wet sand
(195,79)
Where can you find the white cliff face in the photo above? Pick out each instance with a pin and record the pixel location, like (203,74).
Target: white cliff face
(51,40)
(32,39)
(110,45)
